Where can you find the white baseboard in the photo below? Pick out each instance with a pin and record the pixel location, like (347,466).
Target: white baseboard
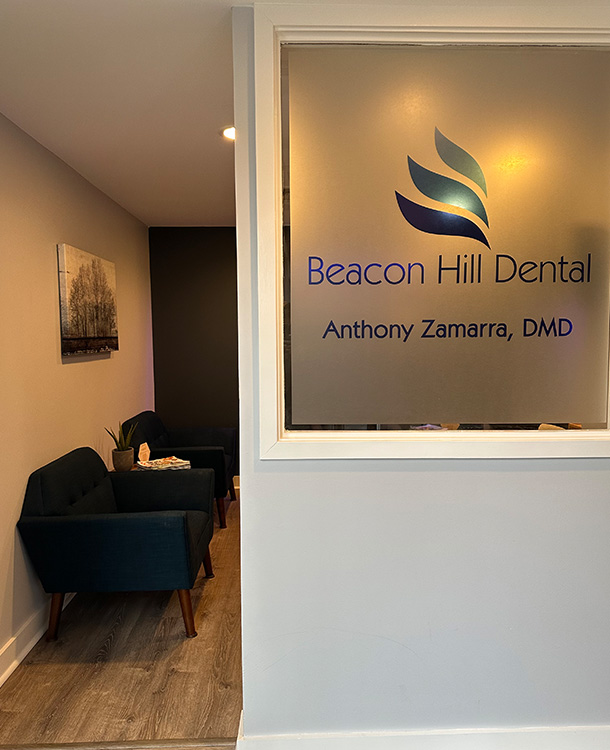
(535,738)
(19,646)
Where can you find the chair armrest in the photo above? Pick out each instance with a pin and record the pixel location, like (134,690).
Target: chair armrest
(110,552)
(183,489)
(212,457)
(205,436)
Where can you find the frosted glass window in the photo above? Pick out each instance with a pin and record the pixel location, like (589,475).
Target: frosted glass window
(447,235)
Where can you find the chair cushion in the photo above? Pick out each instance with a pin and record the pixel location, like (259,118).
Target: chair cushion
(149,429)
(161,441)
(77,483)
(98,499)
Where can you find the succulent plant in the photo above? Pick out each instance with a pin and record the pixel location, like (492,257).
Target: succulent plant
(122,440)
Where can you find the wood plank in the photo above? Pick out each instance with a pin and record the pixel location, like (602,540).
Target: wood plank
(214,744)
(122,669)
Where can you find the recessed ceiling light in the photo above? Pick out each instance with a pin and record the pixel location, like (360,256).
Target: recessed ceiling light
(229,133)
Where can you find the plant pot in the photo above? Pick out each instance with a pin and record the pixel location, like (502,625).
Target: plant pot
(122,460)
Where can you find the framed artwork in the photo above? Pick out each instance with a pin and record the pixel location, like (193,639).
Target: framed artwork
(87,300)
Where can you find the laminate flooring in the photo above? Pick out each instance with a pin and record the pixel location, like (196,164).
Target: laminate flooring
(123,671)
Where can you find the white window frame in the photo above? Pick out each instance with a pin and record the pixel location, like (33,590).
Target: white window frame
(259,175)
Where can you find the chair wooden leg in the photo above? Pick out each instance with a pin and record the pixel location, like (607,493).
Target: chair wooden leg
(222,516)
(232,490)
(57,602)
(187,612)
(207,564)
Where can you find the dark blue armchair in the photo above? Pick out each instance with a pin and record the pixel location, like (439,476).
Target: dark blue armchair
(205,447)
(86,529)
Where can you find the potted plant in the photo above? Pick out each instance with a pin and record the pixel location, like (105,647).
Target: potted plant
(122,455)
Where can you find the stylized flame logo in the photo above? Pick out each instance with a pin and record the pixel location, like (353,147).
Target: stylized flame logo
(446,190)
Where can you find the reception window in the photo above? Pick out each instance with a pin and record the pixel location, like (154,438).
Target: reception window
(446,235)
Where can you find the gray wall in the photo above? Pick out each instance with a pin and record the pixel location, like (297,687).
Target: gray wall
(384,596)
(50,406)
(194,298)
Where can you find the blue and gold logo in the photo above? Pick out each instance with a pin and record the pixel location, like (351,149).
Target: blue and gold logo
(449,191)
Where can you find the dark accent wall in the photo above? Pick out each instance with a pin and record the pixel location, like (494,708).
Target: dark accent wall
(193,274)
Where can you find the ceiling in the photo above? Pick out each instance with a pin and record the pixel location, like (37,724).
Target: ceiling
(130,93)
(133,94)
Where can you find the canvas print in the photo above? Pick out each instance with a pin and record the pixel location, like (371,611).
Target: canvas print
(87,297)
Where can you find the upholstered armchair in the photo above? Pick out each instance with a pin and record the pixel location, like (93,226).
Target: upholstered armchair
(205,447)
(86,529)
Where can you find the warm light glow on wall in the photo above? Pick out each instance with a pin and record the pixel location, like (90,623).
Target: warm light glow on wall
(229,133)
(514,162)
(417,102)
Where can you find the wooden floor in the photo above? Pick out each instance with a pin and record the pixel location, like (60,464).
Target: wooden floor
(122,670)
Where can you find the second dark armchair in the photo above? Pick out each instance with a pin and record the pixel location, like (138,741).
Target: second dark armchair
(205,447)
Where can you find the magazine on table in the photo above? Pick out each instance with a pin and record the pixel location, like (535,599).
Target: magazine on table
(159,464)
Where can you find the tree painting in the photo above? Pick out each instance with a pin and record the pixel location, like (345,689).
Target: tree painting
(87,291)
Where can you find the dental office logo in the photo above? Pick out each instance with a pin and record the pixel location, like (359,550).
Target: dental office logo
(449,191)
